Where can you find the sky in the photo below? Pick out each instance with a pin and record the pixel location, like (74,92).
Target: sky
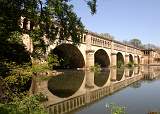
(123,19)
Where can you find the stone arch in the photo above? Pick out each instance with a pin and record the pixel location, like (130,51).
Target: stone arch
(120,59)
(69,56)
(101,57)
(131,58)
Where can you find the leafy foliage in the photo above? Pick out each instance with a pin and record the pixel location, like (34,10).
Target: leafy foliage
(116,109)
(52,60)
(130,64)
(136,42)
(39,67)
(120,64)
(26,105)
(96,68)
(53,18)
(18,81)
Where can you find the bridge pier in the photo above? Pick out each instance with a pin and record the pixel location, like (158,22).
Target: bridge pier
(89,58)
(113,74)
(89,79)
(113,59)
(136,59)
(126,72)
(126,59)
(142,60)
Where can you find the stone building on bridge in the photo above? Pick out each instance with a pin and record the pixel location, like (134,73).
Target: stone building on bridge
(151,56)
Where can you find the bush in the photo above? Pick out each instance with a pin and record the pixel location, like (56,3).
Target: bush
(96,68)
(18,81)
(39,67)
(52,60)
(120,64)
(130,64)
(26,105)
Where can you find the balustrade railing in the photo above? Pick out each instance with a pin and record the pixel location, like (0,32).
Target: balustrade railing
(100,42)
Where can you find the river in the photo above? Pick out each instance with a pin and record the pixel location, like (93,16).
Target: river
(84,92)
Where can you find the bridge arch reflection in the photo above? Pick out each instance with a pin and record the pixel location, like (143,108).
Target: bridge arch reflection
(120,74)
(66,84)
(101,78)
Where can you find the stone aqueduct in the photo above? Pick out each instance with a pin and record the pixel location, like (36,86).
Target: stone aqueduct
(94,48)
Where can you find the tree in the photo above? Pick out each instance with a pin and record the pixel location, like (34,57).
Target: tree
(136,42)
(54,18)
(150,46)
(106,35)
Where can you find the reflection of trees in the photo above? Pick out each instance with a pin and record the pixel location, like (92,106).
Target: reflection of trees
(66,84)
(100,78)
(136,84)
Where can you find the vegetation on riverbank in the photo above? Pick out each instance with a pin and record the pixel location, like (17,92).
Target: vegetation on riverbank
(96,68)
(24,105)
(16,66)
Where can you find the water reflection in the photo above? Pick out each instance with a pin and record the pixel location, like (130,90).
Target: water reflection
(136,84)
(120,74)
(89,79)
(101,78)
(130,72)
(80,88)
(66,84)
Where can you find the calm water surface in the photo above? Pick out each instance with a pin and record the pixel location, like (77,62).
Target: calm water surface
(79,92)
(139,99)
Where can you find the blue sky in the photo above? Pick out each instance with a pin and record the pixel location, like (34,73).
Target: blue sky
(124,19)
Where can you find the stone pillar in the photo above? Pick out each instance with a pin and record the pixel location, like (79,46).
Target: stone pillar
(112,46)
(113,74)
(89,79)
(113,59)
(89,52)
(89,58)
(126,72)
(136,70)
(142,60)
(136,60)
(126,58)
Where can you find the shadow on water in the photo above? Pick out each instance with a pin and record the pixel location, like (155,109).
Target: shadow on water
(67,84)
(101,78)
